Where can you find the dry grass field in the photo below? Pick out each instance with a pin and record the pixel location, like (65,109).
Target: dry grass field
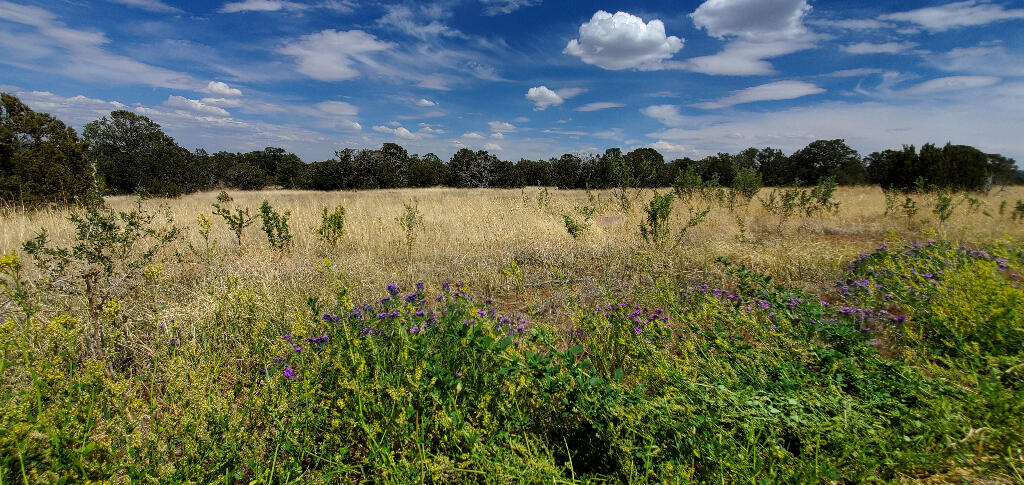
(472,235)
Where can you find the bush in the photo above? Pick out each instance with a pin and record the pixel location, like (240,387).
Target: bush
(655,228)
(332,225)
(275,226)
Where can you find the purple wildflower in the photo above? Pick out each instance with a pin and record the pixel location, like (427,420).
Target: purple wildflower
(289,372)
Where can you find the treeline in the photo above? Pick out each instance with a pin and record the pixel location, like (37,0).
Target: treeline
(43,160)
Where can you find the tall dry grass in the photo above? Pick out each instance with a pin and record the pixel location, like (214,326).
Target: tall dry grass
(473,235)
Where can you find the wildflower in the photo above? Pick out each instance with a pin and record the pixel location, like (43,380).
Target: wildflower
(414,330)
(175,341)
(287,337)
(419,286)
(638,330)
(393,289)
(297,348)
(289,372)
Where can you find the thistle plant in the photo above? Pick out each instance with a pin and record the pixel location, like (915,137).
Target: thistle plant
(275,225)
(332,225)
(237,221)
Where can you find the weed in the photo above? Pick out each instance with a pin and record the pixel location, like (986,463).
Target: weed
(275,226)
(411,222)
(655,228)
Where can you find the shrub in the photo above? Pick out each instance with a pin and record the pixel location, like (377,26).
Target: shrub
(575,228)
(275,225)
(655,228)
(237,221)
(332,225)
(411,222)
(106,257)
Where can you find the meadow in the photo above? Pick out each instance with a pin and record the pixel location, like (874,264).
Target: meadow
(515,335)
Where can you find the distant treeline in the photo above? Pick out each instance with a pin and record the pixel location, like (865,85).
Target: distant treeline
(43,160)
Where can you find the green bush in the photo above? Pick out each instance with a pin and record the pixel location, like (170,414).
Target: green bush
(332,225)
(275,226)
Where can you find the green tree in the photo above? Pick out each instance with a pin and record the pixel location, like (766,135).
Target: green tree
(825,158)
(470,169)
(41,159)
(645,164)
(132,152)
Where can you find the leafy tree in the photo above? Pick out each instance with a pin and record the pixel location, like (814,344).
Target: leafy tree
(470,169)
(132,152)
(41,159)
(566,171)
(775,167)
(535,172)
(824,158)
(427,171)
(719,166)
(645,164)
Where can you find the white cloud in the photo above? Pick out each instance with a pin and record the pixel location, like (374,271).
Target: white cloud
(221,89)
(751,18)
(757,29)
(74,110)
(497,135)
(957,14)
(666,113)
(883,48)
(994,60)
(422,24)
(429,129)
(952,83)
(261,6)
(599,106)
(766,92)
(222,102)
(986,118)
(472,135)
(150,5)
(851,24)
(858,72)
(494,147)
(501,127)
(543,97)
(623,41)
(521,119)
(55,48)
(194,106)
(426,103)
(330,55)
(400,132)
(343,125)
(338,108)
(671,149)
(497,7)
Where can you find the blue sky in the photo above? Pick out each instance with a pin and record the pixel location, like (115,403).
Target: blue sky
(528,78)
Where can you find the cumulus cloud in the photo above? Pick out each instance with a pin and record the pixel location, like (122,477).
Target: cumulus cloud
(751,18)
(400,132)
(756,29)
(623,41)
(330,55)
(75,110)
(952,83)
(665,113)
(221,89)
(472,135)
(766,92)
(957,14)
(599,106)
(150,5)
(426,103)
(194,106)
(883,48)
(494,147)
(672,149)
(543,97)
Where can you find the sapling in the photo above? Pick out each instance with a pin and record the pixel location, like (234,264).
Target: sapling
(237,221)
(332,225)
(275,225)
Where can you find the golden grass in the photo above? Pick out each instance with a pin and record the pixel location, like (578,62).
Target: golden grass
(471,235)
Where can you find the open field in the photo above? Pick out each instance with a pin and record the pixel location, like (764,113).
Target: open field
(541,377)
